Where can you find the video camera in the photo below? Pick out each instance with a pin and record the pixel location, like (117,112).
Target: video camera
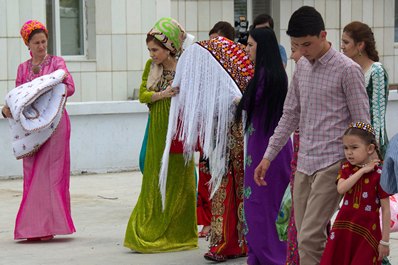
(241,28)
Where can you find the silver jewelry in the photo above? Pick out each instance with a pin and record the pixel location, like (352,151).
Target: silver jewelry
(37,67)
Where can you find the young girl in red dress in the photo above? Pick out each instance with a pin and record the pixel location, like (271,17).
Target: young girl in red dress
(356,237)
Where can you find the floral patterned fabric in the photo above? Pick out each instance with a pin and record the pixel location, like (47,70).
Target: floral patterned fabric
(356,233)
(376,82)
(226,235)
(232,57)
(37,108)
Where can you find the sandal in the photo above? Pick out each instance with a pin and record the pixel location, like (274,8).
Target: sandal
(205,233)
(237,256)
(215,257)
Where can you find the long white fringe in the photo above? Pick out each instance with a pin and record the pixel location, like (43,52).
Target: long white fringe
(205,108)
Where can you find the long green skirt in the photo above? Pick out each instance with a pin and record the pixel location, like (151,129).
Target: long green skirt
(150,229)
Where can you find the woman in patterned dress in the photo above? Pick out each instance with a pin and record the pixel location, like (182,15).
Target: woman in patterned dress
(359,44)
(263,103)
(356,237)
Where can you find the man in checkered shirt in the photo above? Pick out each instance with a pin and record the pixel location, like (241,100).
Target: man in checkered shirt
(326,94)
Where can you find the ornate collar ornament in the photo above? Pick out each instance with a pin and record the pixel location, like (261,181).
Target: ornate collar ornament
(232,57)
(37,67)
(363,126)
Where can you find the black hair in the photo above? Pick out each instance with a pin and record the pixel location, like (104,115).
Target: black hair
(269,77)
(223,29)
(367,137)
(305,21)
(262,19)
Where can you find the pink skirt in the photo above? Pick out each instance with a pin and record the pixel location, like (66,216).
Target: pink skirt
(45,207)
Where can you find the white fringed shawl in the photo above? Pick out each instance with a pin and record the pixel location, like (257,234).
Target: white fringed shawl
(37,108)
(205,107)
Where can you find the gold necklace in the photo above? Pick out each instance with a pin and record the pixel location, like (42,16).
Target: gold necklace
(37,67)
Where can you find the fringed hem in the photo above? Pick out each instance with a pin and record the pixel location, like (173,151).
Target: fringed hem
(205,106)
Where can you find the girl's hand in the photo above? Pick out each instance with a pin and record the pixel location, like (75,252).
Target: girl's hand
(6,112)
(384,251)
(369,167)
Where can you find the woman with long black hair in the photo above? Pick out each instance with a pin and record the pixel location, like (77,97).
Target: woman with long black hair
(262,104)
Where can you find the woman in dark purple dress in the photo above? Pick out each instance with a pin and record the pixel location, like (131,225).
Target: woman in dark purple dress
(262,104)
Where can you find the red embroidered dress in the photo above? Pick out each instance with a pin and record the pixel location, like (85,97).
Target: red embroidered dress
(203,210)
(226,235)
(356,233)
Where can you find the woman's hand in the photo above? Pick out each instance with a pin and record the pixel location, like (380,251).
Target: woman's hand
(6,112)
(167,93)
(170,92)
(259,172)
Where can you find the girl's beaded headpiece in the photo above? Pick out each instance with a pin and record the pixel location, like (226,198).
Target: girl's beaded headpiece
(363,126)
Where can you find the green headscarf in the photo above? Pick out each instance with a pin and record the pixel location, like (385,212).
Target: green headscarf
(170,33)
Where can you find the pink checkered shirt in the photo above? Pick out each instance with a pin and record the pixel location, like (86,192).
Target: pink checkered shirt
(323,98)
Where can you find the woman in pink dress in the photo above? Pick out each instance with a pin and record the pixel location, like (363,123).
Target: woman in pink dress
(45,207)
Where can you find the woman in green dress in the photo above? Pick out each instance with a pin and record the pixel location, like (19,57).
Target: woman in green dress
(358,43)
(150,228)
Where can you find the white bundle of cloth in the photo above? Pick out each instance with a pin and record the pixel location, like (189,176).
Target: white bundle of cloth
(204,108)
(36,108)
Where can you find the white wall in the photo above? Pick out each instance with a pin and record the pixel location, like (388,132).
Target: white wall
(106,137)
(378,14)
(392,114)
(116,47)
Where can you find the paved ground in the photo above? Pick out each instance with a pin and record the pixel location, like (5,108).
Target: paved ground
(101,206)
